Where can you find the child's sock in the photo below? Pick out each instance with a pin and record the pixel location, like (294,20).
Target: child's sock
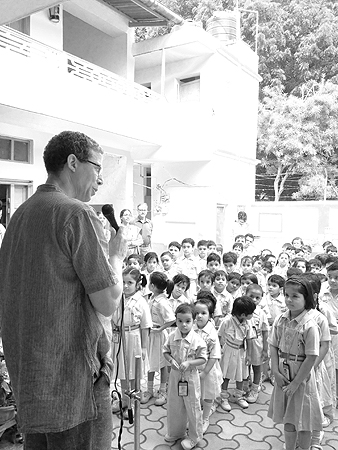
(290,439)
(163,387)
(206,409)
(246,386)
(150,387)
(316,437)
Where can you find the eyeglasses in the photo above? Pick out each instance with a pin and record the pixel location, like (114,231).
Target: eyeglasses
(99,168)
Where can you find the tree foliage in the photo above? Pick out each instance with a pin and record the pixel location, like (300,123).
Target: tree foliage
(298,135)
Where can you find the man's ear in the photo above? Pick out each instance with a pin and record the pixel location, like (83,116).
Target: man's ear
(72,162)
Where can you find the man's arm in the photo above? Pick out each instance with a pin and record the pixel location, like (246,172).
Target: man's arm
(107,300)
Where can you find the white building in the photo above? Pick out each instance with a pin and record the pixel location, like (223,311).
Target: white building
(176,115)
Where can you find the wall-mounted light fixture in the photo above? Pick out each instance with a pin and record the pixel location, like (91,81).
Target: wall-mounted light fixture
(54,14)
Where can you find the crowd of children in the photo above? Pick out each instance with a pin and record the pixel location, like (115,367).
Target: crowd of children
(203,317)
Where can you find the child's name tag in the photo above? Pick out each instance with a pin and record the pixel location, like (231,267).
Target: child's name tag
(116,337)
(183,388)
(286,371)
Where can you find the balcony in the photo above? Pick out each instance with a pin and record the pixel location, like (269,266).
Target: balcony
(44,80)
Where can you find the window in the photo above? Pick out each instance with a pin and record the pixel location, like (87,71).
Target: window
(15,150)
(189,89)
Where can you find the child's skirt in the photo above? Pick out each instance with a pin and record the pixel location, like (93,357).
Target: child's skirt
(155,350)
(211,385)
(233,363)
(133,347)
(257,350)
(303,409)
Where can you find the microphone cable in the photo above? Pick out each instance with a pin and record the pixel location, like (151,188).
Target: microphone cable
(115,390)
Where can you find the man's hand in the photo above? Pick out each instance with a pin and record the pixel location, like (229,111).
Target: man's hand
(118,244)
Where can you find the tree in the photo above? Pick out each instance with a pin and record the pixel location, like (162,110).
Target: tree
(299,136)
(279,145)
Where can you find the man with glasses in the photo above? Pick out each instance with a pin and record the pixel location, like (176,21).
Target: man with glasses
(56,289)
(146,228)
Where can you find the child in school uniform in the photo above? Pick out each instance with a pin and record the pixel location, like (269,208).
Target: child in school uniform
(283,263)
(211,247)
(175,249)
(185,351)
(137,323)
(223,297)
(238,249)
(176,290)
(213,262)
(235,335)
(162,318)
(330,297)
(134,261)
(294,347)
(205,280)
(323,371)
(246,280)
(151,264)
(177,287)
(259,343)
(229,262)
(202,254)
(263,274)
(273,304)
(189,264)
(169,268)
(234,284)
(210,372)
(246,265)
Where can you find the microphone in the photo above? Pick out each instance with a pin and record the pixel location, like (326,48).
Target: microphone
(108,212)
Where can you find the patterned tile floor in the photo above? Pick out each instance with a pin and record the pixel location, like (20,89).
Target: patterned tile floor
(239,429)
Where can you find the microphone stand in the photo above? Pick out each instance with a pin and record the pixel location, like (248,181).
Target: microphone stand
(126,367)
(135,393)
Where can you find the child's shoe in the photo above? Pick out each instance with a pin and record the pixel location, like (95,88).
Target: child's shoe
(225,401)
(213,407)
(188,444)
(161,399)
(168,438)
(316,439)
(146,396)
(252,396)
(326,422)
(239,399)
(205,425)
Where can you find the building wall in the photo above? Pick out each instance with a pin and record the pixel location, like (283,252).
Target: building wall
(275,223)
(43,30)
(89,43)
(216,134)
(191,211)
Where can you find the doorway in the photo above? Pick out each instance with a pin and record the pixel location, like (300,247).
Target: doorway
(13,194)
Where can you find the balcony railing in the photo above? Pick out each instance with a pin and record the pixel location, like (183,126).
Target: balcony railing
(14,41)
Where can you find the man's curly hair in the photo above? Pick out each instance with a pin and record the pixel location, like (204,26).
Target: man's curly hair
(67,143)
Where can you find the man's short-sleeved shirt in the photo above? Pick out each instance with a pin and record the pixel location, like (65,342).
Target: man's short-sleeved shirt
(50,260)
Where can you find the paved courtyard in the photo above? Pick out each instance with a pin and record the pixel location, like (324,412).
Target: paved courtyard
(248,429)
